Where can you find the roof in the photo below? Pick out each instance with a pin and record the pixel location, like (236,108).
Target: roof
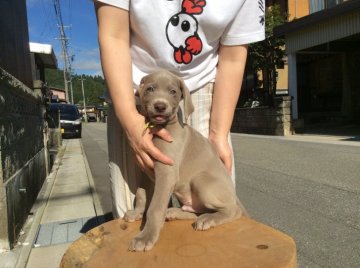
(56,89)
(46,54)
(317,17)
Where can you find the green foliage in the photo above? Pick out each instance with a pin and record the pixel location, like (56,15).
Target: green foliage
(269,53)
(94,86)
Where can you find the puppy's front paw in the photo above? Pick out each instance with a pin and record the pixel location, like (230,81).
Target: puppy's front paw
(143,242)
(132,215)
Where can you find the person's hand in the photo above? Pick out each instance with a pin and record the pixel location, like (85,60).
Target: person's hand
(140,140)
(221,145)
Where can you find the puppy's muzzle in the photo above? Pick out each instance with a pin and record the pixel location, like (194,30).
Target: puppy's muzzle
(160,107)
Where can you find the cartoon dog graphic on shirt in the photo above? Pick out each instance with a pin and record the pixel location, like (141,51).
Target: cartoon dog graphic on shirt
(181,31)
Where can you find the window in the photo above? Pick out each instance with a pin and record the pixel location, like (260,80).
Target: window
(317,5)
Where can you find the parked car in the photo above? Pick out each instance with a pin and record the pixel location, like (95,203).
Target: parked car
(70,119)
(91,117)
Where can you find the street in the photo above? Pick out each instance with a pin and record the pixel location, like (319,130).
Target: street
(307,189)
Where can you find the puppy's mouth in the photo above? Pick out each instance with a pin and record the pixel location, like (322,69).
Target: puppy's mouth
(158,119)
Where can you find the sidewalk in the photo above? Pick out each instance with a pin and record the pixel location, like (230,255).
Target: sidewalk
(66,208)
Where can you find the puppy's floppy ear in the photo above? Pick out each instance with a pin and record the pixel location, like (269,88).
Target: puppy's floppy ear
(188,105)
(141,87)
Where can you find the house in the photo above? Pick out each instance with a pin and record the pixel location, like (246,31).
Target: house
(57,94)
(42,56)
(24,161)
(323,55)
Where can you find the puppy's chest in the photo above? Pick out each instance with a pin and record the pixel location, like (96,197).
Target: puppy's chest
(188,149)
(178,147)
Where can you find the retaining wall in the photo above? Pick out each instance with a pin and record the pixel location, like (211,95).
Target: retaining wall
(274,120)
(23,163)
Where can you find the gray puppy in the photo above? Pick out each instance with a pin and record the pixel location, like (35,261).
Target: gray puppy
(198,178)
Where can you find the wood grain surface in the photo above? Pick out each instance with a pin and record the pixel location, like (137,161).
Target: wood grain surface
(242,243)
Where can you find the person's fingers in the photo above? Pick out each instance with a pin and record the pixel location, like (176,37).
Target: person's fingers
(227,163)
(144,168)
(159,156)
(142,144)
(144,160)
(148,162)
(162,133)
(140,162)
(224,151)
(152,150)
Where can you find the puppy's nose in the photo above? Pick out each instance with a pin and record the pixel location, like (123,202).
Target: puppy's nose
(160,107)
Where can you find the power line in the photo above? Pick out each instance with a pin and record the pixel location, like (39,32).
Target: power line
(64,47)
(48,16)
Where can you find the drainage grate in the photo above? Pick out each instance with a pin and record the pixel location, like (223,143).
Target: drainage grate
(56,233)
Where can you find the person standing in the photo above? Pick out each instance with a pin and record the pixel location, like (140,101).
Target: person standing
(202,41)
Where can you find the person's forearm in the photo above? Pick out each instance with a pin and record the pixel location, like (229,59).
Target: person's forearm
(117,71)
(116,61)
(227,88)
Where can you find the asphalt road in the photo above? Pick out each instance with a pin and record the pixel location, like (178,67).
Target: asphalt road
(308,188)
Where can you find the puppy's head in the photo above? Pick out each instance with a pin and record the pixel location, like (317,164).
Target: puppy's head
(160,94)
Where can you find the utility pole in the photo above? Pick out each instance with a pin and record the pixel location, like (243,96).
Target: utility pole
(71,88)
(83,93)
(64,41)
(70,79)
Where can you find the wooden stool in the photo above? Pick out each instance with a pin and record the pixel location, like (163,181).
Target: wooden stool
(242,243)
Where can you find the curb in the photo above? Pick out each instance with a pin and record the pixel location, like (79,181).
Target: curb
(334,140)
(96,200)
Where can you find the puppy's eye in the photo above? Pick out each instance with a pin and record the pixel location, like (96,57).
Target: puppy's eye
(172,92)
(150,89)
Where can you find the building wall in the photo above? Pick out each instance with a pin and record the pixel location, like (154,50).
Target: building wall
(22,155)
(298,9)
(59,93)
(14,42)
(282,80)
(23,164)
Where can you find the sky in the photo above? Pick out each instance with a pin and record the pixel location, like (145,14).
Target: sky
(82,33)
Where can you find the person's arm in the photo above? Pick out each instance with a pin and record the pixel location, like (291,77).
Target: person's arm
(229,76)
(114,42)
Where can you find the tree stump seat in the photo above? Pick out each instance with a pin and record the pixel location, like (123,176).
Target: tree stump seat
(242,243)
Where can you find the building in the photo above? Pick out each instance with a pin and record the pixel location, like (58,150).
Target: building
(57,94)
(42,56)
(23,152)
(323,54)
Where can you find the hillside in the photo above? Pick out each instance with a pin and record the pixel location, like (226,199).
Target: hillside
(94,86)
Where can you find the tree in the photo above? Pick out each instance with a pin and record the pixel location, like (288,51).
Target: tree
(269,53)
(94,86)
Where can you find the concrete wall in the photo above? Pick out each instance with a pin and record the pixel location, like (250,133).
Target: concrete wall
(265,120)
(22,154)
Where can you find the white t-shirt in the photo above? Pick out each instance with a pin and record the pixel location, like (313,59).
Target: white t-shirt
(183,36)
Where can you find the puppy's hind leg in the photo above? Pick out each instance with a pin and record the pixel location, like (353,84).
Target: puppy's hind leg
(218,196)
(140,204)
(209,220)
(179,214)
